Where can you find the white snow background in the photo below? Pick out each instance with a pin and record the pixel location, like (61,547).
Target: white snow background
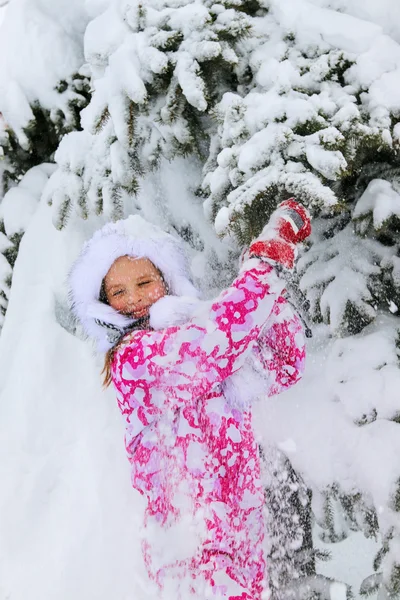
(69,519)
(2,13)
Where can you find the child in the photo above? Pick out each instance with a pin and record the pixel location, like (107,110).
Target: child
(186,372)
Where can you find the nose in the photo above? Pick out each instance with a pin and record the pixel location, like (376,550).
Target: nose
(135,298)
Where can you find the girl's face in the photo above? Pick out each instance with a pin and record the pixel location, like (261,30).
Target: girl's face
(132,285)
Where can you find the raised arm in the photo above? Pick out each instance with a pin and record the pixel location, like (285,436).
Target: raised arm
(281,348)
(156,371)
(159,370)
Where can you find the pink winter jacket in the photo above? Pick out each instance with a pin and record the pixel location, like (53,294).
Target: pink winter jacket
(194,453)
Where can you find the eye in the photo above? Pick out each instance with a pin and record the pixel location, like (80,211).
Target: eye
(117,293)
(144,283)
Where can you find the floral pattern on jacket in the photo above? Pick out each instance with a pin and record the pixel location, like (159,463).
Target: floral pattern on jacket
(193,453)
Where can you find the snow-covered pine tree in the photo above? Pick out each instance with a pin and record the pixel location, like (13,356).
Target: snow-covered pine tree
(277,98)
(364,375)
(34,114)
(5,244)
(6,250)
(158,77)
(309,122)
(40,100)
(158,68)
(34,145)
(38,139)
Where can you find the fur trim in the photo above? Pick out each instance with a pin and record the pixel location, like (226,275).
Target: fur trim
(104,312)
(173,310)
(130,237)
(136,237)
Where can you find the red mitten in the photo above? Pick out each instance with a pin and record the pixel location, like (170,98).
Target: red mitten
(289,224)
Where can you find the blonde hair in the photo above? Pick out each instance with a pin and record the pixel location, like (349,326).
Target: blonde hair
(110,355)
(108,361)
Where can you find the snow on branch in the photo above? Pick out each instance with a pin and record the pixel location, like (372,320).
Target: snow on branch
(34,60)
(307,109)
(156,68)
(380,203)
(342,279)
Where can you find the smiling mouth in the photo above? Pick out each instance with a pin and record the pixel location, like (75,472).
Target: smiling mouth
(140,313)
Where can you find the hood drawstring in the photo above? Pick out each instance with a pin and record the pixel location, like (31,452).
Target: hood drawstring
(115,334)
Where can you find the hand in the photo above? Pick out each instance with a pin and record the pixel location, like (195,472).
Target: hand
(289,225)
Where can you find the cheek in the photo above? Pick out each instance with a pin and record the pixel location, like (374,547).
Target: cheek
(156,292)
(117,303)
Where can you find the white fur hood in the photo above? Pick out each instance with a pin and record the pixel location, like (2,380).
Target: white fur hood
(131,237)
